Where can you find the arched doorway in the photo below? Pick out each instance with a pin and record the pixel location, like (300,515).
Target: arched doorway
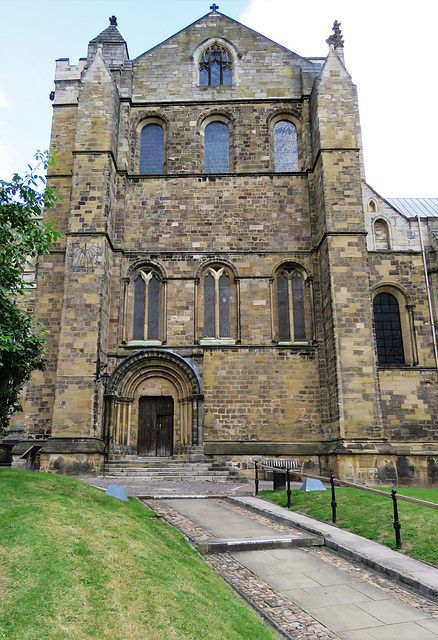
(153,405)
(155,426)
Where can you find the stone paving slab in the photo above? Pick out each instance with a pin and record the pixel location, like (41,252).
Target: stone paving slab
(221,521)
(339,599)
(415,573)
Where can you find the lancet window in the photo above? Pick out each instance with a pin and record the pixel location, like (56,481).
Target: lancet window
(152,149)
(290,306)
(146,314)
(285,146)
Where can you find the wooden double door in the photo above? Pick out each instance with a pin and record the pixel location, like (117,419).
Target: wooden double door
(155,426)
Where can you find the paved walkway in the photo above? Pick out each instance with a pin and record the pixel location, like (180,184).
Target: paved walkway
(335,601)
(309,592)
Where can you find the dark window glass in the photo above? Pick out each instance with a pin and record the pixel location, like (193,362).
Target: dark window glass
(215,72)
(209,299)
(224,306)
(153,307)
(285,146)
(298,307)
(216,148)
(387,323)
(226,75)
(139,304)
(152,149)
(283,307)
(215,67)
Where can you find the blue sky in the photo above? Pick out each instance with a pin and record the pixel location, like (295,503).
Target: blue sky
(390,51)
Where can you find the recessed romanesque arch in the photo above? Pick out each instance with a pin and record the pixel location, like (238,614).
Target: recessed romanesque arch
(146,374)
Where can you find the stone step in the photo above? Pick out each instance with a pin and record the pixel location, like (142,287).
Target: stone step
(166,472)
(232,545)
(166,466)
(148,468)
(170,470)
(175,478)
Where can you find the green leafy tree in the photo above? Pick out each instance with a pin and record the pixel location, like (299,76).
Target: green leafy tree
(22,239)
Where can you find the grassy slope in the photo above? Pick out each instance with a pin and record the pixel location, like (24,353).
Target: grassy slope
(371,516)
(76,563)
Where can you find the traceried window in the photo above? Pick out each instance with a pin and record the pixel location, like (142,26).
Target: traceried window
(285,146)
(146,314)
(217,303)
(387,324)
(290,306)
(216,147)
(152,149)
(215,66)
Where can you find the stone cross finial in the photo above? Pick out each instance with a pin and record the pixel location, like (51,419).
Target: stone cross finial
(113,21)
(335,40)
(214,7)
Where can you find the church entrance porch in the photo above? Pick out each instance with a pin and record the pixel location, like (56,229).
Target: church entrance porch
(155,426)
(153,407)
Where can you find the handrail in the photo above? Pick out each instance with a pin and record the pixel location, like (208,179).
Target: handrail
(345,483)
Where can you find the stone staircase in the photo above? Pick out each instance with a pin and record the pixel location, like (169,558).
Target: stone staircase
(166,469)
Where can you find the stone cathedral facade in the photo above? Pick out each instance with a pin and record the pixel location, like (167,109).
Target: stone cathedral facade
(228,287)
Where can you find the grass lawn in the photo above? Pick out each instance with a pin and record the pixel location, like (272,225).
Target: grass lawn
(77,564)
(371,516)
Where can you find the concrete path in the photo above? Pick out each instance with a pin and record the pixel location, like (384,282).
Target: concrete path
(349,607)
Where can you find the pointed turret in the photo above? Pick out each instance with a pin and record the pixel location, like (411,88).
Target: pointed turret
(114,47)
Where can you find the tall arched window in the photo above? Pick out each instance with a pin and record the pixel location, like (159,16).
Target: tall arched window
(381,234)
(217,304)
(290,306)
(215,66)
(388,329)
(216,147)
(146,313)
(152,149)
(285,146)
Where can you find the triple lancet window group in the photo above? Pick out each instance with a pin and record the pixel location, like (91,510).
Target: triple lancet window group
(217,306)
(216,147)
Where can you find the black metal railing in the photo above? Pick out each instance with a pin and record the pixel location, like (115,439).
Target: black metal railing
(332,481)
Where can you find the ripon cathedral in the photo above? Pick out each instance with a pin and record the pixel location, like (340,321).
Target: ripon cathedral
(228,287)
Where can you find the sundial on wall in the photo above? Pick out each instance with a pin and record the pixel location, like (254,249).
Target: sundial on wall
(84,256)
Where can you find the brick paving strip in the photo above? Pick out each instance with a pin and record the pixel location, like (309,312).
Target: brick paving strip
(289,619)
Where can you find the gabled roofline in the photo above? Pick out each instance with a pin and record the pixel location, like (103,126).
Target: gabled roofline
(385,201)
(309,60)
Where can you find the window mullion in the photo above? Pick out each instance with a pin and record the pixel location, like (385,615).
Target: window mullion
(291,308)
(146,277)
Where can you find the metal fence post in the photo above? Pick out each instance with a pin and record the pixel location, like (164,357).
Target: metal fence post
(397,525)
(288,488)
(334,505)
(256,479)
